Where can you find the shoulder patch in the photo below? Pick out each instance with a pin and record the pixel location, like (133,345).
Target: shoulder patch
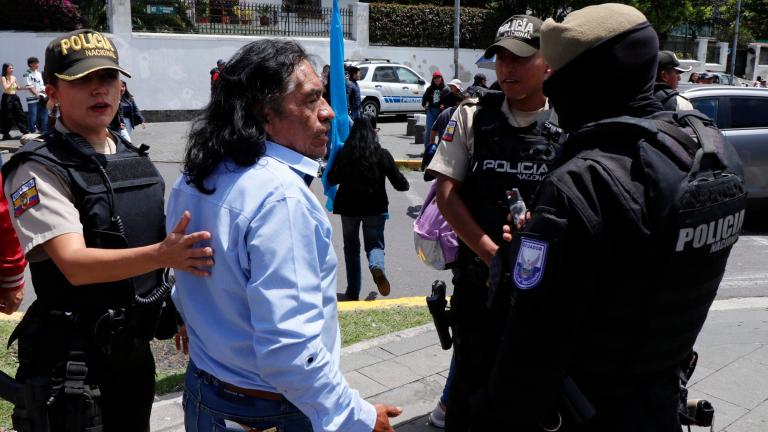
(25,197)
(450,129)
(530,262)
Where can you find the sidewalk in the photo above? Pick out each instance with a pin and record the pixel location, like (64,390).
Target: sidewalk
(408,369)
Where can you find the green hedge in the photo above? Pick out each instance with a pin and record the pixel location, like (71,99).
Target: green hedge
(161,23)
(430,26)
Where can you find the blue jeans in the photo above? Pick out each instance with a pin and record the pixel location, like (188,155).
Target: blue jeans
(128,125)
(37,115)
(432,114)
(209,407)
(373,240)
(448,380)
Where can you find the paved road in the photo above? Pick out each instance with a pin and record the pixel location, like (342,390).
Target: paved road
(746,276)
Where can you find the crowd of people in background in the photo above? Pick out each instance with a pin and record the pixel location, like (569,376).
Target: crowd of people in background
(41,113)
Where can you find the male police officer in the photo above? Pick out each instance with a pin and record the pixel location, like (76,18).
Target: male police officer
(488,148)
(667,78)
(615,272)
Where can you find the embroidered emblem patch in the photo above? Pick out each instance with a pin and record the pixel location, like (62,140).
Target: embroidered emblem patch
(529,265)
(449,131)
(25,197)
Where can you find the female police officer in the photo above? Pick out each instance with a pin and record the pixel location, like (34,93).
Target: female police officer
(88,208)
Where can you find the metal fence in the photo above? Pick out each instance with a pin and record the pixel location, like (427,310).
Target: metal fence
(233,17)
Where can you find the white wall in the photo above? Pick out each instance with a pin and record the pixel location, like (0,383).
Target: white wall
(170,72)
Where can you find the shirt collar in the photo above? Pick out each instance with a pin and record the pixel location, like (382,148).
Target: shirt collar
(295,160)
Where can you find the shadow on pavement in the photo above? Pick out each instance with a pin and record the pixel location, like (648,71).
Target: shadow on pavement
(413,211)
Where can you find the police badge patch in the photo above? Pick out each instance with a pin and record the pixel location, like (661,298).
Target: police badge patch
(449,131)
(529,265)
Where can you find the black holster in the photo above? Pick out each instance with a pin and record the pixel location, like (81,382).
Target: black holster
(441,316)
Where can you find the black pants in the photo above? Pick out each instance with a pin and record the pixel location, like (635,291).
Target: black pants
(476,339)
(126,379)
(12,114)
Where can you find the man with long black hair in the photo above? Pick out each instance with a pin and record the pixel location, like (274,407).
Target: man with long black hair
(264,338)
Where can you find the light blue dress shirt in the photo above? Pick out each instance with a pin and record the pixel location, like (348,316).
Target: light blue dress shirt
(266,317)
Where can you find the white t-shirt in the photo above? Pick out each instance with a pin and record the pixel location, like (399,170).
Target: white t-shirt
(34,79)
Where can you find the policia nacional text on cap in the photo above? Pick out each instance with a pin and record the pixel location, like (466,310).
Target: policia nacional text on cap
(79,53)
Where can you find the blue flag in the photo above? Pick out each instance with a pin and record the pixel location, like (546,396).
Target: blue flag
(340,124)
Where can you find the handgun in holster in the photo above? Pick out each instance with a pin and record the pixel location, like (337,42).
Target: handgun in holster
(693,412)
(441,315)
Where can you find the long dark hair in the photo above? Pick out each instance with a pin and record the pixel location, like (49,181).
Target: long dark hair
(432,84)
(360,154)
(5,68)
(232,124)
(126,94)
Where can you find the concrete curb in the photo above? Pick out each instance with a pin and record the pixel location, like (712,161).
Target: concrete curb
(412,164)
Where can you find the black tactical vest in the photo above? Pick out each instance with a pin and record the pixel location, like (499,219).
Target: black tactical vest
(667,96)
(121,204)
(694,210)
(506,157)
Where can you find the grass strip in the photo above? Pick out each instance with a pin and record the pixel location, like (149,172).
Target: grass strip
(356,326)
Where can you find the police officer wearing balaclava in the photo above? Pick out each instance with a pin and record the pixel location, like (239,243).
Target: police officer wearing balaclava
(489,147)
(613,275)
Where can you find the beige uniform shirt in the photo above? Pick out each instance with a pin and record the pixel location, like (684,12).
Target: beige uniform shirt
(683,104)
(42,203)
(458,142)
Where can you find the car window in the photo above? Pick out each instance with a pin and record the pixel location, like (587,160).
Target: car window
(384,74)
(406,76)
(363,72)
(706,105)
(749,112)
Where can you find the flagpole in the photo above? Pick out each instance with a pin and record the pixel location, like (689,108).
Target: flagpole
(340,123)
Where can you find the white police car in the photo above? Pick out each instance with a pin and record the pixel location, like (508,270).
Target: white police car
(389,88)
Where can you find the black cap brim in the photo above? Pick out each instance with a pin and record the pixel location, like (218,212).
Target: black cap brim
(86,66)
(515,46)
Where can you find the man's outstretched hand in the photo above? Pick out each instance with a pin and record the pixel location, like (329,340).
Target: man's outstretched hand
(383,414)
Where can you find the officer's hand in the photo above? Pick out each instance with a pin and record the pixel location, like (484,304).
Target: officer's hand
(182,340)
(177,250)
(508,230)
(383,413)
(10,299)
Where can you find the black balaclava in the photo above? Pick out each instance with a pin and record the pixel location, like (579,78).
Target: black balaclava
(614,78)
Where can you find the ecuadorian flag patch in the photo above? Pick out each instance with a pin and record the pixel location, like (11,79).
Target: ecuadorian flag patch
(25,197)
(449,131)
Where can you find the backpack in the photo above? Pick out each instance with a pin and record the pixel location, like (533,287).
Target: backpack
(436,243)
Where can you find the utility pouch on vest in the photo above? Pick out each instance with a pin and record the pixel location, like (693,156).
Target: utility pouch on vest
(712,202)
(30,400)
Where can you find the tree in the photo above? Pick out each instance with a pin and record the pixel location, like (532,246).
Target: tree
(753,15)
(664,15)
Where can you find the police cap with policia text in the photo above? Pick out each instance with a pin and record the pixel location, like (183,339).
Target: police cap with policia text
(76,54)
(519,34)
